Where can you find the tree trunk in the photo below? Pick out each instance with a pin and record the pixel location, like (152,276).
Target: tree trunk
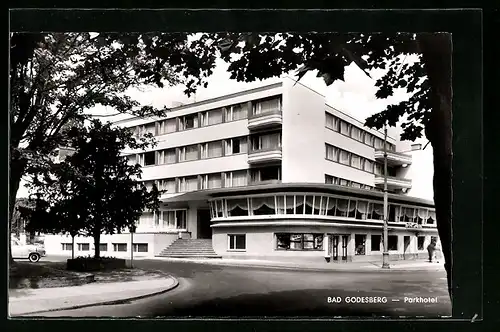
(436,51)
(16,172)
(97,244)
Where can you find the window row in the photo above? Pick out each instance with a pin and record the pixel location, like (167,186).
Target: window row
(352,131)
(217,180)
(208,118)
(320,205)
(192,152)
(392,242)
(348,183)
(103,247)
(350,159)
(165,219)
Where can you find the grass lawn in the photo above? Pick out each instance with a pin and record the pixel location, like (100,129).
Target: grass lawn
(23,274)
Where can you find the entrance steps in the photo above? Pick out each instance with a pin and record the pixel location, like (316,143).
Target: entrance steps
(190,248)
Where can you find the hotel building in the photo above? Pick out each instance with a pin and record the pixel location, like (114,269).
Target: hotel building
(270,173)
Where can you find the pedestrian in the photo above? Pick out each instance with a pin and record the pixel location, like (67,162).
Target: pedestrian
(430,249)
(437,252)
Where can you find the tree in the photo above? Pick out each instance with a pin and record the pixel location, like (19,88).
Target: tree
(95,190)
(55,77)
(253,56)
(18,220)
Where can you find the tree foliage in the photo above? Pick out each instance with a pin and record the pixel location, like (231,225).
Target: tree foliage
(95,190)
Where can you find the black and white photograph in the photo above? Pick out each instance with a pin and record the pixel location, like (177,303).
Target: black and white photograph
(230,174)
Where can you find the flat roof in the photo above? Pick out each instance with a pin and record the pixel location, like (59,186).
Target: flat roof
(315,187)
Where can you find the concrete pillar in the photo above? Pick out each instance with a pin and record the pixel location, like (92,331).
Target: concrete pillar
(192,221)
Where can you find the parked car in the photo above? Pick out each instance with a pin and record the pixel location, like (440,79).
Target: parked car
(26,251)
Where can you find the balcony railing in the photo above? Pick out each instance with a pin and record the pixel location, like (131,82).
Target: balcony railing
(265,155)
(392,182)
(393,158)
(261,182)
(267,119)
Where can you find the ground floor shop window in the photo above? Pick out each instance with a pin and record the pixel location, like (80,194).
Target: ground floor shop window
(67,246)
(392,242)
(83,247)
(360,244)
(140,247)
(119,247)
(287,241)
(376,240)
(237,241)
(420,242)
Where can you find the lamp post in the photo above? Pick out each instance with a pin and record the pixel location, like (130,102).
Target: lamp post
(385,254)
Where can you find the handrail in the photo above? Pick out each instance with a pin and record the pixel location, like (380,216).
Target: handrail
(272,112)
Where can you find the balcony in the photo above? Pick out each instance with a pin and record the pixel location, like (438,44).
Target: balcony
(393,183)
(264,155)
(265,120)
(393,158)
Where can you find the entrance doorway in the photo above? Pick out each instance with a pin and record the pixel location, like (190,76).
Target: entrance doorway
(406,242)
(338,247)
(203,227)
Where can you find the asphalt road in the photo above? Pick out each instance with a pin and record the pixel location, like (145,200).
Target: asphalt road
(223,291)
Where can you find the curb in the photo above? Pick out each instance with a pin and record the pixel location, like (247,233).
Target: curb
(114,302)
(322,269)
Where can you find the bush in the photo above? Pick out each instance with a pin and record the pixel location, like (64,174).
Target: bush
(88,264)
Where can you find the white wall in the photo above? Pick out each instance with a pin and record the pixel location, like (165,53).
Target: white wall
(199,135)
(204,166)
(421,172)
(303,141)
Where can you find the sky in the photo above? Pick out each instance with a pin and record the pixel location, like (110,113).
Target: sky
(355,96)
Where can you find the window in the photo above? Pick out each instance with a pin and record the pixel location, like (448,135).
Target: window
(119,247)
(149,128)
(168,185)
(420,242)
(167,157)
(368,139)
(263,205)
(147,219)
(378,169)
(237,242)
(140,247)
(267,106)
(431,217)
(332,153)
(392,242)
(329,179)
(211,150)
(368,166)
(173,219)
(360,243)
(376,240)
(132,159)
(103,247)
(188,153)
(168,126)
(188,122)
(188,184)
(236,145)
(236,179)
(237,112)
(237,207)
(266,174)
(344,157)
(149,158)
(266,142)
(83,246)
(67,246)
(211,117)
(344,127)
(211,181)
(379,144)
(288,241)
(357,134)
(332,122)
(356,161)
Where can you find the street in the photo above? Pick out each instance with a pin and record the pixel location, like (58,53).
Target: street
(222,291)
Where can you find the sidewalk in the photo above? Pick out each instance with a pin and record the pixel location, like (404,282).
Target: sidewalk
(27,301)
(402,265)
